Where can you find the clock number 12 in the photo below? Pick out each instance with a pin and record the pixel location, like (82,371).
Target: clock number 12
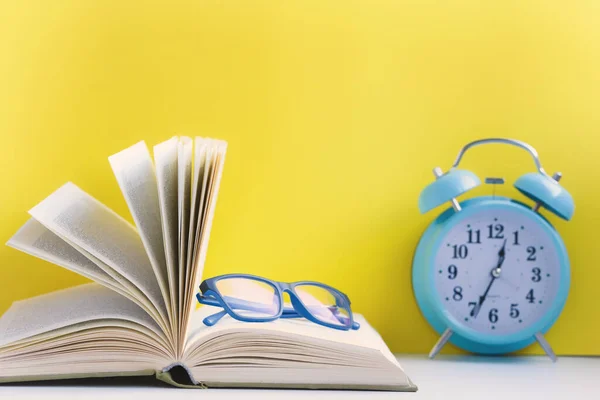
(495,231)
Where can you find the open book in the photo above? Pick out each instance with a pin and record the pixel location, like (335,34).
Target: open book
(140,317)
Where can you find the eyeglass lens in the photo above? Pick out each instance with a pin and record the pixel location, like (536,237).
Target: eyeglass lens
(249,298)
(322,304)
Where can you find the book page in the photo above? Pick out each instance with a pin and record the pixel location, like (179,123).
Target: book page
(80,219)
(66,307)
(364,337)
(184,174)
(211,186)
(84,329)
(165,159)
(35,239)
(69,333)
(200,169)
(135,174)
(126,288)
(290,353)
(204,186)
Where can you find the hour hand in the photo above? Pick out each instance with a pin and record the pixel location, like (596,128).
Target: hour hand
(502,252)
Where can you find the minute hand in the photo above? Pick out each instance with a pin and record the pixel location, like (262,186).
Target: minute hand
(495,274)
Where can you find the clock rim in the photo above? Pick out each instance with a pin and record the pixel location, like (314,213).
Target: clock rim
(433,309)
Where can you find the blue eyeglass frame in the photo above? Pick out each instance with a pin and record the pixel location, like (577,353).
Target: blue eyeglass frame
(211,296)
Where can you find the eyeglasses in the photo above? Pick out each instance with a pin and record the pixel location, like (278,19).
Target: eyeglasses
(250,298)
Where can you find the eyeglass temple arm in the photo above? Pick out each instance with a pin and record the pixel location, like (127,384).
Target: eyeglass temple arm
(216,317)
(287,313)
(240,304)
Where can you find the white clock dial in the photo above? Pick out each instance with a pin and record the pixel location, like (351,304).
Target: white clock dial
(494,291)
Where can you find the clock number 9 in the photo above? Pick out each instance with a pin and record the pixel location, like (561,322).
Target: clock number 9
(452,271)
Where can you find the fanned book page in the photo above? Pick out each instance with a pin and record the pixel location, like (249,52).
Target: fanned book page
(139,315)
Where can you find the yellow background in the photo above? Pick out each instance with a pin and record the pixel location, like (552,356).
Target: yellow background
(335,113)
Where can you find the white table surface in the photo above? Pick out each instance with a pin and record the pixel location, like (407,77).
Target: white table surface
(457,377)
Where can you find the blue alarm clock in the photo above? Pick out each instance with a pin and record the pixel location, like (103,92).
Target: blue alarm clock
(491,274)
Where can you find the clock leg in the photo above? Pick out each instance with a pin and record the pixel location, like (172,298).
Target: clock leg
(545,345)
(440,343)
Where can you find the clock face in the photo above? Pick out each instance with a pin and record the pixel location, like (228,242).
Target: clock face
(497,271)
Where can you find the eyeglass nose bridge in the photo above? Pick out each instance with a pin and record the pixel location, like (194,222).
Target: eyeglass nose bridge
(294,298)
(285,287)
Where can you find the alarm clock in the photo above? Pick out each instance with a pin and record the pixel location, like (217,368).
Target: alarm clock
(491,274)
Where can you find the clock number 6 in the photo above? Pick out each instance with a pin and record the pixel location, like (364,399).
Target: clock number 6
(493,315)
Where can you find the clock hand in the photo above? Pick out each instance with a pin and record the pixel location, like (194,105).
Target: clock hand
(495,274)
(475,310)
